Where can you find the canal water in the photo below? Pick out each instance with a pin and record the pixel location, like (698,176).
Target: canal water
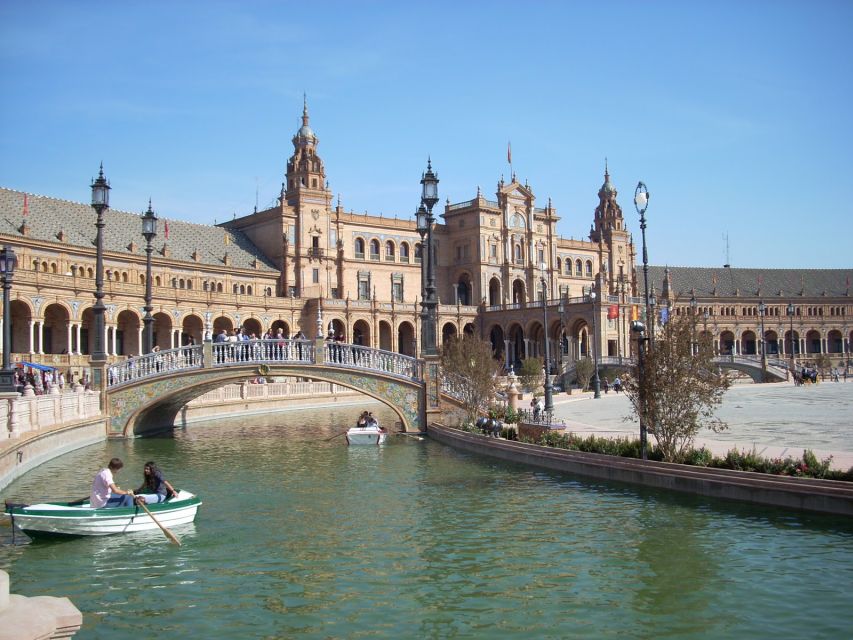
(302,537)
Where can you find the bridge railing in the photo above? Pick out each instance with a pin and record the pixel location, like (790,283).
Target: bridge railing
(358,357)
(262,351)
(153,364)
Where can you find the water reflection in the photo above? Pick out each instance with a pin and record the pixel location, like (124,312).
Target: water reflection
(301,537)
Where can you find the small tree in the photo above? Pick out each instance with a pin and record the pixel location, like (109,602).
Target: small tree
(682,389)
(470,368)
(531,373)
(823,363)
(584,370)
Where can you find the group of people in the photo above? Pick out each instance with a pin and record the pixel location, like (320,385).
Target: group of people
(367,421)
(617,385)
(41,381)
(106,493)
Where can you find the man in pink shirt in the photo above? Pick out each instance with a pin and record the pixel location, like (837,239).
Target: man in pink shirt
(105,492)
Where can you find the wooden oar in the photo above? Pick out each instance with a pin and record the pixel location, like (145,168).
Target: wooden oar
(335,436)
(168,533)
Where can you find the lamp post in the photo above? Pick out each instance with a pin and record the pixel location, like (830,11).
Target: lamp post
(641,203)
(791,311)
(149,232)
(761,311)
(8,262)
(549,389)
(100,203)
(429,196)
(705,317)
(596,381)
(651,301)
(639,328)
(693,305)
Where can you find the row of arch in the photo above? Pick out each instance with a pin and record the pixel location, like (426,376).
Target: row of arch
(391,250)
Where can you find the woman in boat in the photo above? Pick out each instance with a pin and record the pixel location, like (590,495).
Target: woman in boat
(154,487)
(105,492)
(361,423)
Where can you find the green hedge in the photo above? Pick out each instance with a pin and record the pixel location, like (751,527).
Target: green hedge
(808,466)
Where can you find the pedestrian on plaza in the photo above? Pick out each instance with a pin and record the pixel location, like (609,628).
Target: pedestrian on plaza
(105,492)
(606,385)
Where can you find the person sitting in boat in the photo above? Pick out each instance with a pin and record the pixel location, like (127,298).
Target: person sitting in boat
(371,421)
(105,492)
(361,423)
(154,487)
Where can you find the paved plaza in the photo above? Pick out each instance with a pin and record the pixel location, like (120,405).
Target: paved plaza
(777,419)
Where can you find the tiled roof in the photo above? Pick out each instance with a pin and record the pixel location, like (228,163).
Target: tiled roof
(729,282)
(49,216)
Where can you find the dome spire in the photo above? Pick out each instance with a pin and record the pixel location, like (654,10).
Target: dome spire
(304,109)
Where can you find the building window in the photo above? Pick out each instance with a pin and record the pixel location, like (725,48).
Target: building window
(363,286)
(359,248)
(541,256)
(315,276)
(418,253)
(397,291)
(404,252)
(588,268)
(389,251)
(578,268)
(493,251)
(374,249)
(335,293)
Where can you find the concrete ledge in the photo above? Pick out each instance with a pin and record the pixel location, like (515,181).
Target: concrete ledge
(808,494)
(23,618)
(19,455)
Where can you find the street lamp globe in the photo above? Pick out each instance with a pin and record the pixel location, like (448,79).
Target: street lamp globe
(421,219)
(100,190)
(149,224)
(429,190)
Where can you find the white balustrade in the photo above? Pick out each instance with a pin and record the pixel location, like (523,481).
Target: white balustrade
(153,364)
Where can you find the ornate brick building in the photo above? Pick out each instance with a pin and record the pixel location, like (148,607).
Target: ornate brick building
(307,257)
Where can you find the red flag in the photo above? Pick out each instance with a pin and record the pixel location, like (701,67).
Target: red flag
(509,152)
(26,206)
(613,312)
(166,230)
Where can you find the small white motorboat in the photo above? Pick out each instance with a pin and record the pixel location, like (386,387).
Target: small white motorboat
(367,435)
(51,519)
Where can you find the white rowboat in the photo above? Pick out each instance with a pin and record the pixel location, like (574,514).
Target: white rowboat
(51,519)
(366,435)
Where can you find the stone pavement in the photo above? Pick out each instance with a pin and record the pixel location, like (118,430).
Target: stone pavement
(778,420)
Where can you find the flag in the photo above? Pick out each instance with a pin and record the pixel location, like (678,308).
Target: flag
(509,152)
(166,230)
(664,315)
(635,313)
(26,206)
(613,312)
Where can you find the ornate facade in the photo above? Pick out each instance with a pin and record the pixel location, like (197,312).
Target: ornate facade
(307,264)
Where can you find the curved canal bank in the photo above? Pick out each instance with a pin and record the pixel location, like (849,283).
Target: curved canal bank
(826,496)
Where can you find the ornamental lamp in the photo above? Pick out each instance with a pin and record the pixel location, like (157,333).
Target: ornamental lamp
(101,190)
(149,224)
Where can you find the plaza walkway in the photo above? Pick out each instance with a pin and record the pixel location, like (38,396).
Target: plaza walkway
(777,419)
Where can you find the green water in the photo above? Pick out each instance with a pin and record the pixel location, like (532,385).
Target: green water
(300,538)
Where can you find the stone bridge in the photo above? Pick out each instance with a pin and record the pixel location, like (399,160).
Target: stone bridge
(777,370)
(145,394)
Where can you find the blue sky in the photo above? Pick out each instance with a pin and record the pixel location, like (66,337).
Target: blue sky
(735,114)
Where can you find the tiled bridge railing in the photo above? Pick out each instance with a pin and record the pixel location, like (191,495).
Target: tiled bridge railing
(259,352)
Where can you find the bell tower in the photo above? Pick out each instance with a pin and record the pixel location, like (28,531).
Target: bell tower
(608,213)
(305,171)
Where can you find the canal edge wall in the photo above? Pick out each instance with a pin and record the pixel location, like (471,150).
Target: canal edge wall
(33,448)
(807,494)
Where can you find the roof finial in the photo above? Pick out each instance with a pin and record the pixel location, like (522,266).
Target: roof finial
(606,172)
(304,109)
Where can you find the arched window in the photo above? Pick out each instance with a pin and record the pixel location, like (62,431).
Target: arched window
(236,288)
(189,284)
(90,272)
(569,267)
(124,276)
(242,290)
(559,265)
(141,278)
(374,249)
(182,284)
(249,290)
(206,285)
(218,287)
(404,252)
(53,267)
(174,283)
(359,248)
(578,267)
(589,268)
(157,281)
(389,251)
(418,253)
(519,256)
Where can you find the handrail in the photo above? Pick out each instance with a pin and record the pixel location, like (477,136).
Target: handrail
(353,356)
(154,364)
